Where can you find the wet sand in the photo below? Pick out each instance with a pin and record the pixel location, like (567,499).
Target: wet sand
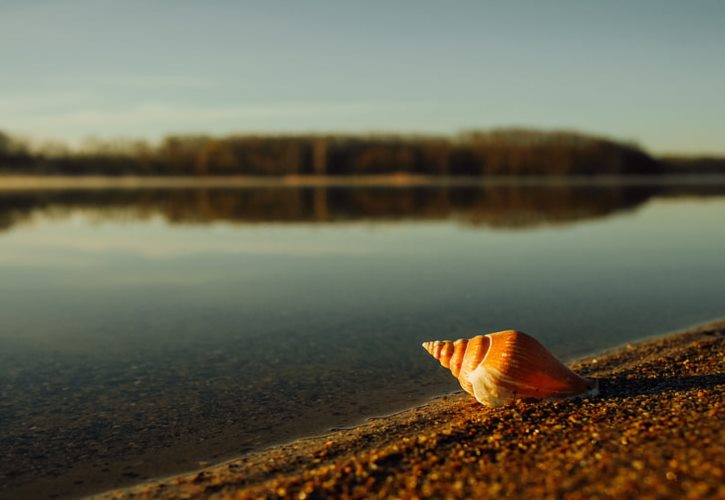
(656,431)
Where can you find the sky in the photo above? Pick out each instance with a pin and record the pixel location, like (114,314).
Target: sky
(652,72)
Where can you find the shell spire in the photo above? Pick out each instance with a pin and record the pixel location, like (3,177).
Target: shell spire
(499,367)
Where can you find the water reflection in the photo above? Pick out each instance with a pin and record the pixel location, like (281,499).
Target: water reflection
(144,330)
(506,206)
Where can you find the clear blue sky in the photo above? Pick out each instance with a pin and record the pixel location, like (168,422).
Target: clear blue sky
(648,71)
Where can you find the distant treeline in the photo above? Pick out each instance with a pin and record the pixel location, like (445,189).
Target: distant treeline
(699,164)
(498,152)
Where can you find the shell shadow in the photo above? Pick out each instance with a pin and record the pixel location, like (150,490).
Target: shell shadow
(612,387)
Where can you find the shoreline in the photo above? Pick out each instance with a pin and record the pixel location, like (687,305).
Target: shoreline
(653,432)
(11,182)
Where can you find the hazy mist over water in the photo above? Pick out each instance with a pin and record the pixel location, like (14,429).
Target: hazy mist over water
(144,330)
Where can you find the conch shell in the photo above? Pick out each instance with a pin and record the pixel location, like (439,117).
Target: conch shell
(503,366)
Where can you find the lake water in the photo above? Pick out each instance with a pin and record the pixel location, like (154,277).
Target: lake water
(146,330)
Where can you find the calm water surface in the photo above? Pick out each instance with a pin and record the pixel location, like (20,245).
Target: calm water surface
(145,331)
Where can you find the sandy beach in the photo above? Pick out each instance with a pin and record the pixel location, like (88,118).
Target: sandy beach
(655,431)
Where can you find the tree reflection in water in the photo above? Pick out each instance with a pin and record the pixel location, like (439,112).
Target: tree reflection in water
(494,205)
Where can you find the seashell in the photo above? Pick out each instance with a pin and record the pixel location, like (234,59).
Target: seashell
(503,366)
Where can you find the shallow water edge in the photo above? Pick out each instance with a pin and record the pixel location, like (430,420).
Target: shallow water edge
(626,373)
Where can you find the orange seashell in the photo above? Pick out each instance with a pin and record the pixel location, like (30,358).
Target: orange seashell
(503,366)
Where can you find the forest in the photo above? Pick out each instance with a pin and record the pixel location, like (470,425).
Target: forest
(477,153)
